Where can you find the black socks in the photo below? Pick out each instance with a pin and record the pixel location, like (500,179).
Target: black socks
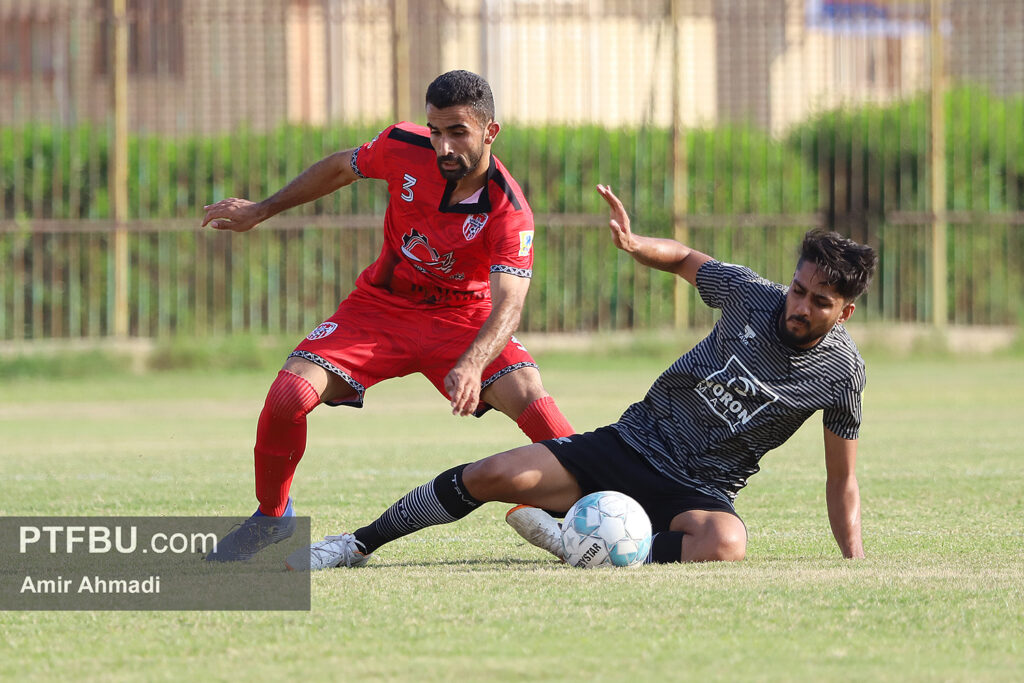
(440,501)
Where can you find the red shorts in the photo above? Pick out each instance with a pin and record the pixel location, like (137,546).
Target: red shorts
(370,339)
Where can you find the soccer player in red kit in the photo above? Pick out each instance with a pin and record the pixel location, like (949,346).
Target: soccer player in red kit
(442,299)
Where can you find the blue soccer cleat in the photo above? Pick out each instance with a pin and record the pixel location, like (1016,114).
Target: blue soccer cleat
(254,534)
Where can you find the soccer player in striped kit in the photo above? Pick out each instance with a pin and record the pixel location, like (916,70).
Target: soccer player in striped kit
(442,299)
(777,355)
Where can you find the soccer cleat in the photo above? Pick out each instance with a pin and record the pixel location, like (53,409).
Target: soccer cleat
(253,535)
(537,527)
(333,551)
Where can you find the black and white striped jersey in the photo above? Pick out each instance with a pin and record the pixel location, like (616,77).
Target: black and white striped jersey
(741,391)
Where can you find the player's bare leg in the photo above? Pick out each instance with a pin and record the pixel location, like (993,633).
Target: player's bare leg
(702,536)
(521,396)
(533,465)
(529,473)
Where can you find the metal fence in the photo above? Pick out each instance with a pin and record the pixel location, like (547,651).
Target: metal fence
(732,125)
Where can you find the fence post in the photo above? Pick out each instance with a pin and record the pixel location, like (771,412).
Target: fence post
(937,159)
(680,179)
(400,33)
(118,168)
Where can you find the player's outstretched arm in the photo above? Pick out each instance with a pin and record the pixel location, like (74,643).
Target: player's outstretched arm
(654,252)
(842,494)
(322,178)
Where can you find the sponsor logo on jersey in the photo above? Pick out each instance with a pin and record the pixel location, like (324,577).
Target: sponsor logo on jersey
(321,331)
(475,222)
(735,394)
(409,181)
(416,248)
(525,242)
(747,335)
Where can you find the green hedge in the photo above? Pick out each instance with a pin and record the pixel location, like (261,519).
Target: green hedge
(866,162)
(879,154)
(876,155)
(57,173)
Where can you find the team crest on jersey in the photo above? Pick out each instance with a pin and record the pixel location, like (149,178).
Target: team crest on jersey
(475,222)
(321,331)
(525,242)
(735,394)
(416,248)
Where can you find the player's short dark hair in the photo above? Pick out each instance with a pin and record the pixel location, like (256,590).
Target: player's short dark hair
(461,87)
(846,265)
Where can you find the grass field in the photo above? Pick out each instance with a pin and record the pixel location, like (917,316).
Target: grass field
(940,596)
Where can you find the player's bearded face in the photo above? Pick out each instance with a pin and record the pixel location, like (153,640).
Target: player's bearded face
(798,332)
(812,308)
(455,166)
(459,139)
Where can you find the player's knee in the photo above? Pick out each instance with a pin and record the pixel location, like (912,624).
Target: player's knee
(730,547)
(724,545)
(721,544)
(290,397)
(515,392)
(494,478)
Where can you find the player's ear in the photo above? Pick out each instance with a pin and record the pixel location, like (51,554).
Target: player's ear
(847,311)
(491,132)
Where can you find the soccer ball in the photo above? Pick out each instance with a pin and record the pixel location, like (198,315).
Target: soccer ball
(606,528)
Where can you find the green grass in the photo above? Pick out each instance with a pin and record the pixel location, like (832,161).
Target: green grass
(939,597)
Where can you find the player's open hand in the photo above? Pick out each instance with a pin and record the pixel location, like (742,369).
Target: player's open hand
(618,221)
(463,386)
(237,215)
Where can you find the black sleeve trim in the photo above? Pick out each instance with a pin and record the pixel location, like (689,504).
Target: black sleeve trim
(355,162)
(500,181)
(410,138)
(512,270)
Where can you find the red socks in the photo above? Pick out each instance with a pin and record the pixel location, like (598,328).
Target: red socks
(281,435)
(281,439)
(543,420)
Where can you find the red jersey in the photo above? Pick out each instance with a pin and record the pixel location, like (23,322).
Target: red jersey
(436,254)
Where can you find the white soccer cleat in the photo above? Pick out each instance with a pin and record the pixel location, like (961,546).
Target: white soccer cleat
(537,527)
(333,551)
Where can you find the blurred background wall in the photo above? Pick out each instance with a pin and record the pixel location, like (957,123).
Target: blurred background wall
(732,124)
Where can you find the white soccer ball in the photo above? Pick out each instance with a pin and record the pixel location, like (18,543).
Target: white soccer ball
(606,528)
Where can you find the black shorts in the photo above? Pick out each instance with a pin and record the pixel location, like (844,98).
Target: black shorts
(602,461)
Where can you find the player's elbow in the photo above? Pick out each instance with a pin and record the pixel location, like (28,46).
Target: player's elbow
(340,164)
